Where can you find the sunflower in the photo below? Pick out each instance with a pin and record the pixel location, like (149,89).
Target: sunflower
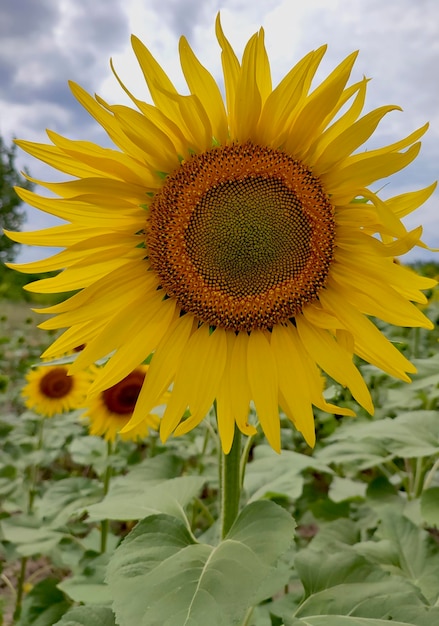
(50,389)
(111,409)
(236,243)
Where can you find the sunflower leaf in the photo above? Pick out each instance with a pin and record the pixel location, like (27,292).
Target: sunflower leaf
(161,576)
(405,550)
(88,616)
(133,500)
(430,506)
(341,620)
(344,583)
(282,475)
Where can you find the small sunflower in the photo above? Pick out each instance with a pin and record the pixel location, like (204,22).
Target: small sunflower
(237,244)
(50,390)
(110,410)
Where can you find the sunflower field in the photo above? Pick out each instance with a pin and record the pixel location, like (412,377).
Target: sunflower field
(99,533)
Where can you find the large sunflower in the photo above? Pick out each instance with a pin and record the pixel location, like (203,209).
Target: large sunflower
(50,390)
(111,409)
(239,243)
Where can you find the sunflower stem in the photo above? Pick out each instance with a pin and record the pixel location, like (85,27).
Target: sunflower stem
(20,585)
(429,478)
(419,477)
(33,480)
(230,481)
(244,458)
(106,484)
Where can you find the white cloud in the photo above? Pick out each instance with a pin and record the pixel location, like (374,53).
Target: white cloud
(398,42)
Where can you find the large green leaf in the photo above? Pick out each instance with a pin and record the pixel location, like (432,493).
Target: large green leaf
(44,604)
(320,570)
(405,550)
(132,500)
(412,434)
(341,620)
(89,451)
(346,583)
(271,474)
(345,489)
(160,575)
(29,535)
(89,585)
(430,506)
(88,616)
(357,455)
(65,497)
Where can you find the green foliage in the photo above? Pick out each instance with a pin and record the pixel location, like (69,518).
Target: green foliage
(363,549)
(44,604)
(161,575)
(88,616)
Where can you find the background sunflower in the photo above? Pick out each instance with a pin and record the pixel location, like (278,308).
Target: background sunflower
(110,410)
(51,389)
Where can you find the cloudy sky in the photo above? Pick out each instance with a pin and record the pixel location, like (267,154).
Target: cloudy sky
(45,43)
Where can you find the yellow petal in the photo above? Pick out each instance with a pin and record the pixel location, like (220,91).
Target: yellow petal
(318,106)
(370,343)
(405,203)
(374,297)
(202,84)
(164,364)
(280,106)
(197,381)
(153,144)
(350,139)
(262,67)
(293,384)
(248,100)
(104,160)
(57,158)
(231,71)
(105,119)
(343,183)
(133,336)
(158,82)
(72,338)
(333,359)
(340,125)
(239,388)
(147,331)
(263,380)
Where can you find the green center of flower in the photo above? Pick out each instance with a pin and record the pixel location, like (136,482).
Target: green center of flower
(242,236)
(121,398)
(246,236)
(56,383)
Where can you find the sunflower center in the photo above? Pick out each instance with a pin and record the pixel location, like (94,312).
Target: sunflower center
(245,236)
(56,383)
(242,236)
(121,398)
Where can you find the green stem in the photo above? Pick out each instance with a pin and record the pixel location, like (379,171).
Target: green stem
(244,458)
(419,476)
(33,480)
(415,342)
(430,475)
(34,470)
(248,616)
(203,508)
(106,484)
(230,484)
(20,585)
(409,482)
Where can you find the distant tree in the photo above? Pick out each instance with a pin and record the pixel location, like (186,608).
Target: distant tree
(12,214)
